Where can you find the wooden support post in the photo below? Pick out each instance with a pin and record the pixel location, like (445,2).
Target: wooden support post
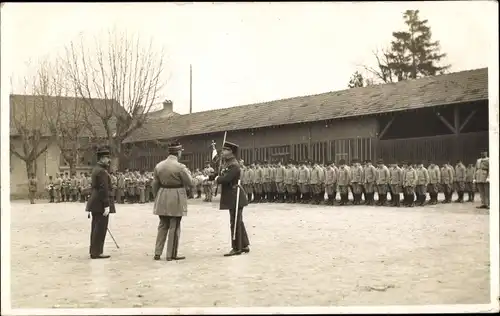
(386,128)
(309,148)
(467,119)
(456,123)
(253,146)
(445,122)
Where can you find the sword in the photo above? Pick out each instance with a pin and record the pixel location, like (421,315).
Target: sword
(237,209)
(113,239)
(116,244)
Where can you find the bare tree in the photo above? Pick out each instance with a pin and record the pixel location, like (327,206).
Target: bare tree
(66,115)
(29,131)
(382,72)
(119,80)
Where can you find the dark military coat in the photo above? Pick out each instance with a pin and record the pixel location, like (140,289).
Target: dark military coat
(100,192)
(228,179)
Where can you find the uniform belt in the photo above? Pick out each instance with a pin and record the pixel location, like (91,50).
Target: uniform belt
(176,186)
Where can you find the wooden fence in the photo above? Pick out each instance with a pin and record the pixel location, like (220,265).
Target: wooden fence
(437,148)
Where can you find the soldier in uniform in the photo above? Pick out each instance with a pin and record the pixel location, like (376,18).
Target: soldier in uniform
(460,174)
(331,183)
(171,178)
(197,182)
(315,183)
(370,177)
(32,188)
(50,189)
(249,175)
(409,183)
(447,182)
(100,205)
(208,185)
(303,182)
(288,181)
(257,183)
(344,180)
(482,179)
(383,180)
(396,184)
(120,187)
(273,187)
(114,185)
(67,187)
(357,181)
(73,184)
(82,186)
(434,183)
(279,180)
(228,179)
(421,185)
(266,182)
(58,187)
(469,182)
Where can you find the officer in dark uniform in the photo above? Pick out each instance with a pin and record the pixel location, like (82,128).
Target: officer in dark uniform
(99,204)
(228,179)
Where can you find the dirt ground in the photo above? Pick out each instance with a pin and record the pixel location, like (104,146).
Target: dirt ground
(300,256)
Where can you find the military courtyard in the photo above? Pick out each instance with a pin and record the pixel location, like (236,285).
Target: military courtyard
(301,255)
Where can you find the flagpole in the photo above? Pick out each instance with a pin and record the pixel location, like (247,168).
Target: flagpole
(190,88)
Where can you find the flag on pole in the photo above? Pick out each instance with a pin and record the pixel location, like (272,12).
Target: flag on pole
(214,150)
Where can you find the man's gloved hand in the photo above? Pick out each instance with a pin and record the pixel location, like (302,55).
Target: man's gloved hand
(106,211)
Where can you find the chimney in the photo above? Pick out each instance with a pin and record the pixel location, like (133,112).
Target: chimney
(168,106)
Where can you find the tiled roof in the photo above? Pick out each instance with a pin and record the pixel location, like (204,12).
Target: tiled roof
(464,86)
(28,110)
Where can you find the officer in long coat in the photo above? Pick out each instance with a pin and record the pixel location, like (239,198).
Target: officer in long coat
(228,179)
(170,180)
(100,205)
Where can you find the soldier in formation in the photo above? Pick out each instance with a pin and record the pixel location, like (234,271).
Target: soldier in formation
(314,183)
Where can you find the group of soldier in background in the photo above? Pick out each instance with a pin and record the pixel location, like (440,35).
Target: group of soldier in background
(310,182)
(126,187)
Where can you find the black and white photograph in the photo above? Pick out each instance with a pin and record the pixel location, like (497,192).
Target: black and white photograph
(249,157)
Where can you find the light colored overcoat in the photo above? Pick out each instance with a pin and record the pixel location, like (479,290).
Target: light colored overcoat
(171,201)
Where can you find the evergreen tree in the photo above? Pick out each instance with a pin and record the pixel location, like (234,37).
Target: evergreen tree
(412,53)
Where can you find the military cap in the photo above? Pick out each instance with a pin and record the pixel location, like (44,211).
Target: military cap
(404,162)
(208,162)
(174,147)
(231,146)
(355,160)
(409,163)
(102,152)
(380,162)
(368,160)
(342,161)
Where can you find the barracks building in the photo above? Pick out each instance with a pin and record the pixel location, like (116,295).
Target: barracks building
(441,118)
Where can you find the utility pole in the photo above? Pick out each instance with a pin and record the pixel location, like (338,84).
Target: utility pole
(190,89)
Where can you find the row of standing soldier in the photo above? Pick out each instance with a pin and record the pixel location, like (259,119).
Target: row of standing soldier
(308,182)
(128,186)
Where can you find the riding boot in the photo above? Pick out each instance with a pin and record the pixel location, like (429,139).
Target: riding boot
(472,196)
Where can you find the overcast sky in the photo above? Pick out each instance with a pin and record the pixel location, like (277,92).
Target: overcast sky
(252,52)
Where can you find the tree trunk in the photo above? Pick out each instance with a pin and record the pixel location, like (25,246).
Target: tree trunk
(72,167)
(30,169)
